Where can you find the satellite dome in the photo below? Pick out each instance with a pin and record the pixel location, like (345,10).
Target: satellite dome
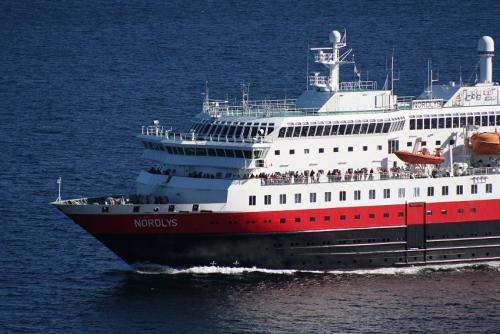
(486,44)
(335,37)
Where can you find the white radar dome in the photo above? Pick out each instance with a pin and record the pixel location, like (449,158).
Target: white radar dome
(486,44)
(335,37)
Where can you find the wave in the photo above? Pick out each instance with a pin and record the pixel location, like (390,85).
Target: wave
(216,270)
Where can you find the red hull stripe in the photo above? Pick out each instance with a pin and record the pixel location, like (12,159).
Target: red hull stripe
(293,220)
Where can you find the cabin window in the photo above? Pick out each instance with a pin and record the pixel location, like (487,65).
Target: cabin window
(252,200)
(365,148)
(267,199)
(312,197)
(328,196)
(327,218)
(283,199)
(298,198)
(379,147)
(489,188)
(342,217)
(312,219)
(438,142)
(473,188)
(297,219)
(386,215)
(371,194)
(430,191)
(350,149)
(401,192)
(292,151)
(276,152)
(387,193)
(306,151)
(357,195)
(416,192)
(371,215)
(342,196)
(357,216)
(335,149)
(444,190)
(460,190)
(282,220)
(321,150)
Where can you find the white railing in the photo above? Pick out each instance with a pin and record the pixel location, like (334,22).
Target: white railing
(159,131)
(322,57)
(358,85)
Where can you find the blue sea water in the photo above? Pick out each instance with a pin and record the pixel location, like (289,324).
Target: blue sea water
(79,78)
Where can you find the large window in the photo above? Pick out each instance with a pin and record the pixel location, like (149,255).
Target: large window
(312,197)
(342,196)
(283,199)
(328,196)
(298,198)
(251,200)
(267,199)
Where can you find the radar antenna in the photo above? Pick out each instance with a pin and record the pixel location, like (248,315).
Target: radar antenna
(59,183)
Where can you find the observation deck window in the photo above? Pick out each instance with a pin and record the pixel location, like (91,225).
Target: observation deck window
(348,129)
(296,131)
(326,131)
(371,127)
(319,130)
(386,127)
(224,130)
(211,152)
(364,128)
(304,131)
(477,120)
(378,129)
(246,130)
(239,129)
(229,153)
(220,152)
(335,129)
(311,131)
(281,133)
(289,131)
(255,129)
(201,151)
(419,124)
(356,129)
(341,129)
(238,154)
(189,151)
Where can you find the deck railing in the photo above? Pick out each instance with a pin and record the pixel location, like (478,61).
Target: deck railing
(285,180)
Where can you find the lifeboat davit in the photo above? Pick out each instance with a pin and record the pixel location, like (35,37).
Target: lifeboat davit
(420,158)
(486,143)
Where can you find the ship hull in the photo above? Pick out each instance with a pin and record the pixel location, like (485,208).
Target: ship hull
(348,248)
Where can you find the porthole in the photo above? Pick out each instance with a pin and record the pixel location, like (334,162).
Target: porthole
(156,209)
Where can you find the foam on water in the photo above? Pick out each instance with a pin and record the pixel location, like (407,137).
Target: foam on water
(216,270)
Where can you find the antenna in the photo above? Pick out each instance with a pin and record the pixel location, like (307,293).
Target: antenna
(460,75)
(59,183)
(430,79)
(245,88)
(307,66)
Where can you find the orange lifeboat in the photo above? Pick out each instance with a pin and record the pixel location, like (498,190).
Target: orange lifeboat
(420,158)
(486,143)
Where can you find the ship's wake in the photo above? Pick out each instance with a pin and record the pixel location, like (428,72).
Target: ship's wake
(216,270)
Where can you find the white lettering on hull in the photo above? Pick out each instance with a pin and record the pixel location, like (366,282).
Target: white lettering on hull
(157,222)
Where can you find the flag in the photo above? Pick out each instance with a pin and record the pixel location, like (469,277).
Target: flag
(357,72)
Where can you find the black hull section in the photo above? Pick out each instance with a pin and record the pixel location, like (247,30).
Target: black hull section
(321,250)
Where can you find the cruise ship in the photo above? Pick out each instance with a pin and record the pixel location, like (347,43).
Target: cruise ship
(347,175)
